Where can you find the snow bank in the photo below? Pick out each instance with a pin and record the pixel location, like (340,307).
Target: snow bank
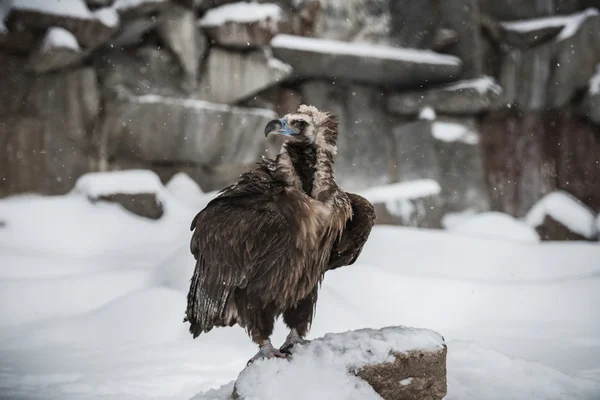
(362,50)
(471,364)
(59,38)
(68,8)
(565,209)
(453,219)
(454,132)
(497,225)
(570,23)
(241,12)
(397,196)
(482,85)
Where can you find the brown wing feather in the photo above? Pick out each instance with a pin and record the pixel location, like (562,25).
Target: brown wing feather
(237,238)
(347,249)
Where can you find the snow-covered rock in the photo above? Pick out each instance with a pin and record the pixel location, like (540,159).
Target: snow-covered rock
(413,203)
(388,363)
(91,28)
(590,105)
(375,64)
(549,75)
(153,128)
(58,49)
(242,24)
(138,191)
(496,225)
(187,192)
(231,76)
(560,216)
(177,29)
(467,97)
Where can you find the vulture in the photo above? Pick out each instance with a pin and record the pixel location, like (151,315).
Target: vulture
(263,245)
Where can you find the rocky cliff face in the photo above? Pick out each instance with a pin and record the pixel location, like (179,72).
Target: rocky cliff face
(498,110)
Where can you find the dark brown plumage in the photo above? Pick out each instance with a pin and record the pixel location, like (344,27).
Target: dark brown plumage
(263,245)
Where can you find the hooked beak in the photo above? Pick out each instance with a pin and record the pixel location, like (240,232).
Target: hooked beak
(279,126)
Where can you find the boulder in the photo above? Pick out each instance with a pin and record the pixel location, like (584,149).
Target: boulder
(547,151)
(59,49)
(178,31)
(446,150)
(139,192)
(380,22)
(90,28)
(388,363)
(550,75)
(468,97)
(560,216)
(233,76)
(372,64)
(462,16)
(46,124)
(17,41)
(140,71)
(132,31)
(131,9)
(415,203)
(364,158)
(175,131)
(242,24)
(518,9)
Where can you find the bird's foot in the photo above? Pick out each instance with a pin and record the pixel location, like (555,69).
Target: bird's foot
(267,351)
(292,340)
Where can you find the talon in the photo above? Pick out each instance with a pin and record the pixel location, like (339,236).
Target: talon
(267,351)
(292,339)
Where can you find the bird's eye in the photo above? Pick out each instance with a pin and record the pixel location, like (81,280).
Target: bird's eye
(301,125)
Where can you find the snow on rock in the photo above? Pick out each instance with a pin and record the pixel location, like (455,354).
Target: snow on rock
(69,8)
(125,5)
(468,97)
(378,64)
(454,132)
(594,85)
(427,113)
(242,12)
(411,203)
(138,191)
(590,105)
(570,23)
(59,38)
(497,225)
(361,364)
(91,28)
(567,211)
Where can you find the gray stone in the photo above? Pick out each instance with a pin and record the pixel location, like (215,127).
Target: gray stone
(552,230)
(519,9)
(232,76)
(416,203)
(550,75)
(463,17)
(17,41)
(95,4)
(145,205)
(174,131)
(145,70)
(52,55)
(129,10)
(468,97)
(379,65)
(91,29)
(45,128)
(448,151)
(177,29)
(364,145)
(233,33)
(131,31)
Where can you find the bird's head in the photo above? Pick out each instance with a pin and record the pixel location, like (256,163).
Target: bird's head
(307,125)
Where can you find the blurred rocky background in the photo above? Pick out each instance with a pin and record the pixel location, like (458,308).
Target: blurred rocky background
(446,106)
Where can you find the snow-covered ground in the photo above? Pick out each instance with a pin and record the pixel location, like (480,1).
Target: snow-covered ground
(92,300)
